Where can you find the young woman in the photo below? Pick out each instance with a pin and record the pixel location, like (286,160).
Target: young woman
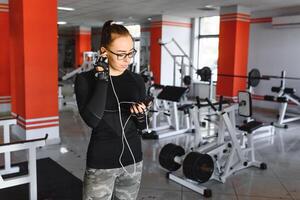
(109,101)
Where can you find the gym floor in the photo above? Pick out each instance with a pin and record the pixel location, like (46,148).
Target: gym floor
(280,181)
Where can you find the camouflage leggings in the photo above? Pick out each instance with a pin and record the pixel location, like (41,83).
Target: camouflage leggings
(107,184)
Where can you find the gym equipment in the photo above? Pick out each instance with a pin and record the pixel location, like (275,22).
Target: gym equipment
(284,96)
(197,113)
(6,123)
(186,80)
(89,59)
(9,147)
(216,160)
(169,95)
(246,111)
(253,77)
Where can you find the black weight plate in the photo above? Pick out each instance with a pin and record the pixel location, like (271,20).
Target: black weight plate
(168,154)
(198,167)
(254,78)
(205,74)
(187,80)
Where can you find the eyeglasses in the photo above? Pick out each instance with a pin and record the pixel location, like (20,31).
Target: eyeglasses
(122,56)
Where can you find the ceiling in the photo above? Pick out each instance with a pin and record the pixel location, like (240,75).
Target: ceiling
(95,12)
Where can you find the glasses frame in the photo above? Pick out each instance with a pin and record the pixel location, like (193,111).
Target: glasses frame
(122,56)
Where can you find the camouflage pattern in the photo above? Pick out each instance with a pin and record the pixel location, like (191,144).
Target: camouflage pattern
(112,184)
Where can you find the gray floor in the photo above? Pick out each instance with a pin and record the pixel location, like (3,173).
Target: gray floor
(280,181)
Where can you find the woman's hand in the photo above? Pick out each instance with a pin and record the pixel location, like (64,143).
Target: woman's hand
(138,109)
(100,68)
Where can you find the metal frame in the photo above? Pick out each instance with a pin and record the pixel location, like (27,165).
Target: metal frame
(264,131)
(6,123)
(226,163)
(89,58)
(182,56)
(171,130)
(31,176)
(7,148)
(170,113)
(283,108)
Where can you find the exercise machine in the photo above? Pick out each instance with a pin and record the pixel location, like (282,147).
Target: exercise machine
(6,123)
(284,97)
(253,79)
(7,147)
(216,160)
(166,104)
(89,59)
(183,57)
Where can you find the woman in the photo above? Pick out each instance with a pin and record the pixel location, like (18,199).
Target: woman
(109,101)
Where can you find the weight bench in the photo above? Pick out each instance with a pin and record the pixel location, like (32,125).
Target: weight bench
(6,123)
(7,148)
(287,95)
(252,126)
(216,160)
(172,95)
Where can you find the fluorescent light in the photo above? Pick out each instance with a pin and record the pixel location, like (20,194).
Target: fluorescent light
(61,23)
(209,6)
(118,22)
(65,8)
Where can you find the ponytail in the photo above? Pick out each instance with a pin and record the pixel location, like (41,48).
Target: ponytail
(111,31)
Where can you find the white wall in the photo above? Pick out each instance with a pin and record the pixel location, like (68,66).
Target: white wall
(271,51)
(183,36)
(145,49)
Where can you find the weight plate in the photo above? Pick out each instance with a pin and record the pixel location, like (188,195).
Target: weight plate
(198,167)
(254,78)
(168,154)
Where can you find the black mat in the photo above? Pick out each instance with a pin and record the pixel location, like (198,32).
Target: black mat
(54,183)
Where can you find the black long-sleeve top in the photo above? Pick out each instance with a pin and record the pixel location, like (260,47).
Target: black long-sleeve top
(98,107)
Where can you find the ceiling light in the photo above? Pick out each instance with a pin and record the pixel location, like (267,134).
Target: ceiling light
(65,8)
(61,23)
(208,8)
(118,22)
(149,18)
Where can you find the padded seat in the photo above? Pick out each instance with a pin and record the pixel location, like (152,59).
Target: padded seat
(250,126)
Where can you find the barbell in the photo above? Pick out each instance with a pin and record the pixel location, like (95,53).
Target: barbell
(195,166)
(253,77)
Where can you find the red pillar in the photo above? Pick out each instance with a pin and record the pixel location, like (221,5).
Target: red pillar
(233,52)
(83,43)
(33,56)
(5,95)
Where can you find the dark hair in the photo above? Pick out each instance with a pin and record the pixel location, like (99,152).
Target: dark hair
(109,28)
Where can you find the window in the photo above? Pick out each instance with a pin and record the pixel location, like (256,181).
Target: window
(135,31)
(208,43)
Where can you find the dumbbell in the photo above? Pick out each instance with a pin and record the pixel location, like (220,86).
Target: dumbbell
(195,166)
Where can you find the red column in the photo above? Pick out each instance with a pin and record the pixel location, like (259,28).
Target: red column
(83,43)
(33,56)
(155,49)
(233,52)
(5,96)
